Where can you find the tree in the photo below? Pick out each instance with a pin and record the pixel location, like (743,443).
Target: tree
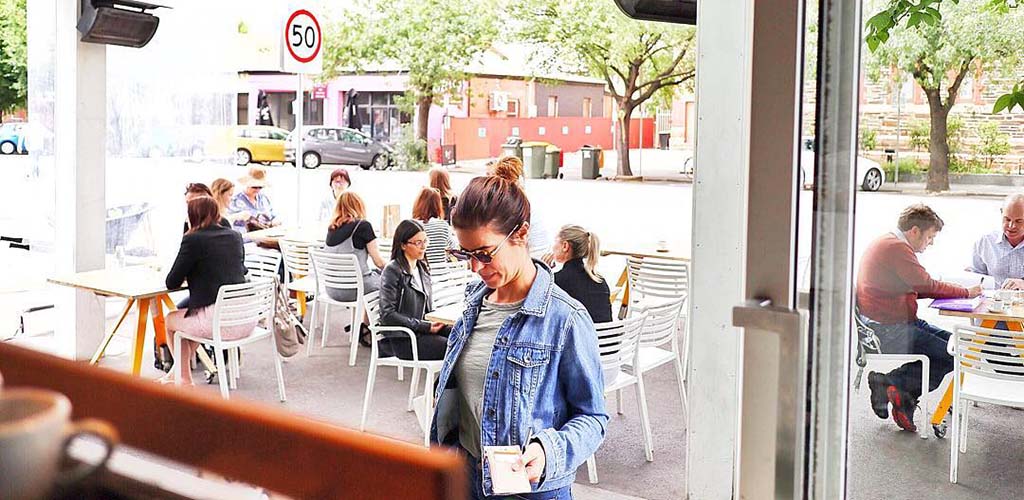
(13,55)
(641,62)
(940,51)
(432,41)
(992,142)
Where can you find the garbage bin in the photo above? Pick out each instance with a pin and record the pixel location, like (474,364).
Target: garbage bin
(552,162)
(592,161)
(513,147)
(533,159)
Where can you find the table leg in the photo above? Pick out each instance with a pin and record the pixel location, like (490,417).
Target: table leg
(947,398)
(140,335)
(110,336)
(159,326)
(166,299)
(623,285)
(301,296)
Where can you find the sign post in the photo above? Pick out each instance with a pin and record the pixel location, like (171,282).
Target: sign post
(301,54)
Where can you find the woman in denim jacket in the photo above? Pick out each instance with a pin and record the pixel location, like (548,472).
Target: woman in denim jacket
(522,366)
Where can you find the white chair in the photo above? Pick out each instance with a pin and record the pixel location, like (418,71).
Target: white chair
(298,270)
(450,288)
(337,272)
(432,368)
(262,263)
(241,304)
(660,344)
(449,267)
(618,344)
(654,280)
(988,367)
(869,349)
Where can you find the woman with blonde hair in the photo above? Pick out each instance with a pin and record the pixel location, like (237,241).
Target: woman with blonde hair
(577,250)
(351,233)
(222,190)
(428,210)
(510,168)
(440,181)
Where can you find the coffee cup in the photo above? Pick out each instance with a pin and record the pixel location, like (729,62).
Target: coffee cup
(662,246)
(996,305)
(35,433)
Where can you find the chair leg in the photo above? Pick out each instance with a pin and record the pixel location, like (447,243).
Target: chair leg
(954,447)
(277,368)
(222,373)
(357,319)
(370,378)
(592,470)
(177,356)
(856,380)
(413,385)
(312,317)
(233,368)
(964,422)
(618,401)
(401,373)
(645,419)
(682,384)
(311,337)
(323,332)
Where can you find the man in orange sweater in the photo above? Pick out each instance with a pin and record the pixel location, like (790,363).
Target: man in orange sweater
(889,282)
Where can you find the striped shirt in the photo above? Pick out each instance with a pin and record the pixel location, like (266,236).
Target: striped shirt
(439,237)
(994,256)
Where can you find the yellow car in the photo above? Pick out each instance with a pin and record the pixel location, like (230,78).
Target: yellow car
(259,143)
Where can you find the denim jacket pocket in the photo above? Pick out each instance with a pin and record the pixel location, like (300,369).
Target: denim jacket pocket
(526,369)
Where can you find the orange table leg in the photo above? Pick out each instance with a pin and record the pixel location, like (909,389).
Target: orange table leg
(623,285)
(140,335)
(110,336)
(947,398)
(301,296)
(159,327)
(166,299)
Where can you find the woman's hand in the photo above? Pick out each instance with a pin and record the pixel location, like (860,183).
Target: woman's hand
(436,327)
(533,460)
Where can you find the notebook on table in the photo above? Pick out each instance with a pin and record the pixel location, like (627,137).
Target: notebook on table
(963,305)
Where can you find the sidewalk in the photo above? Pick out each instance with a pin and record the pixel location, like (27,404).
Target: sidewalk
(962,190)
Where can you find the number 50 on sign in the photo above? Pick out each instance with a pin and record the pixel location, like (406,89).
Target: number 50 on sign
(302,40)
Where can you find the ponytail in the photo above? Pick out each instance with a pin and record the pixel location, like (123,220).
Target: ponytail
(584,245)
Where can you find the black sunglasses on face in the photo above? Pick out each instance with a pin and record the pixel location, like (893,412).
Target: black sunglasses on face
(481,256)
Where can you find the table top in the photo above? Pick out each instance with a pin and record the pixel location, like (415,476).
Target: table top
(447,314)
(1013,313)
(651,250)
(307,232)
(134,282)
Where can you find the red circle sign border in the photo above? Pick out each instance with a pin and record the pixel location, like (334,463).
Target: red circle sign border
(319,37)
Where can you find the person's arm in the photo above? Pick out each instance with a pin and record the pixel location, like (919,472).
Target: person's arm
(188,255)
(906,266)
(270,210)
(374,251)
(579,373)
(390,295)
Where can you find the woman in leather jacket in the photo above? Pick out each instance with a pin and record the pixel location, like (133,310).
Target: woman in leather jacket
(405,297)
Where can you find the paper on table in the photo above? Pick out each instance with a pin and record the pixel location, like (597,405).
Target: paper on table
(968,279)
(505,481)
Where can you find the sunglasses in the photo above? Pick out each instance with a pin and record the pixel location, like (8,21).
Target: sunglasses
(481,256)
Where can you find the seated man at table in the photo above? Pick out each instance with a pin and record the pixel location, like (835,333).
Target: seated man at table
(889,282)
(1000,254)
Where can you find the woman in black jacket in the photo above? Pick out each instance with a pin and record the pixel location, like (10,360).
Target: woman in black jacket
(210,256)
(577,250)
(405,297)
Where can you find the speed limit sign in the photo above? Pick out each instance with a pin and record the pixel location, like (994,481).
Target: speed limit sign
(302,42)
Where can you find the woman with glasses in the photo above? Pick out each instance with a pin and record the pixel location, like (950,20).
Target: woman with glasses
(522,366)
(340,181)
(253,201)
(405,297)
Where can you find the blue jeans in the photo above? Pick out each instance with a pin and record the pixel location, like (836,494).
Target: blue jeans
(917,337)
(476,488)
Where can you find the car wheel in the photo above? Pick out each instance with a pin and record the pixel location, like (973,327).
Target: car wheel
(243,157)
(7,147)
(310,160)
(688,166)
(380,162)
(872,180)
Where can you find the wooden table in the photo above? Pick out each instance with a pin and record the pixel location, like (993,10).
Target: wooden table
(645,251)
(447,315)
(143,287)
(315,233)
(1014,319)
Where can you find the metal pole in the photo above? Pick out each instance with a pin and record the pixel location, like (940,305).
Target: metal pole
(899,116)
(297,105)
(640,151)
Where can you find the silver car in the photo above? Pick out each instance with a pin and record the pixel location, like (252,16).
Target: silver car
(339,145)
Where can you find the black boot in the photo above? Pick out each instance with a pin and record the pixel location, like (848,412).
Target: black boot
(878,383)
(364,335)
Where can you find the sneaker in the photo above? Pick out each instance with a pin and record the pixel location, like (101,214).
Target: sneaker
(878,383)
(903,406)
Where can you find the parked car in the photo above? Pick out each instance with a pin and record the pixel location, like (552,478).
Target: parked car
(259,143)
(870,175)
(13,137)
(341,145)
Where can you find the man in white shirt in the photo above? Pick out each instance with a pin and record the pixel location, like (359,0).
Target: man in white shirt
(1000,254)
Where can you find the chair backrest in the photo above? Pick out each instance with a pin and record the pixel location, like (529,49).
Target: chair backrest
(450,288)
(662,322)
(384,247)
(296,257)
(994,354)
(867,341)
(262,263)
(336,271)
(448,267)
(243,304)
(371,302)
(618,342)
(661,278)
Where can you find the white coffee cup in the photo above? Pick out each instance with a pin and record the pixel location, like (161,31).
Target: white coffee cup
(996,305)
(35,432)
(662,246)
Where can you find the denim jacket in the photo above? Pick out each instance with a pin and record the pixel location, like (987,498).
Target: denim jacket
(544,378)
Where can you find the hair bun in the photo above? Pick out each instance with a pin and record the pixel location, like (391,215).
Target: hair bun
(509,168)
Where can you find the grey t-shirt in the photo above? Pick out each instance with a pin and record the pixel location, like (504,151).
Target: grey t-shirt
(471,370)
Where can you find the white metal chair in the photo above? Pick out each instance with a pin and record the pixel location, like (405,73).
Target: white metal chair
(262,263)
(450,288)
(869,349)
(336,272)
(242,304)
(991,364)
(449,267)
(654,280)
(618,345)
(660,344)
(432,368)
(298,270)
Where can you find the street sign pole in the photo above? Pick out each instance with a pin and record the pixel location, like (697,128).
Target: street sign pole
(299,166)
(301,54)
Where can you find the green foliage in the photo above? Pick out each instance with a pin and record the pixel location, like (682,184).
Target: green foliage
(411,152)
(992,142)
(955,134)
(968,166)
(907,166)
(1008,101)
(868,139)
(13,55)
(920,132)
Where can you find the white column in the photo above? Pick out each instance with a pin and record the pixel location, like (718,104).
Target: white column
(80,121)
(719,235)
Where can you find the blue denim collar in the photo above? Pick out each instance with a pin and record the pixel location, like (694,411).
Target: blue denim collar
(536,302)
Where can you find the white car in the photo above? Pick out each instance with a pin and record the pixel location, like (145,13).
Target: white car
(870,175)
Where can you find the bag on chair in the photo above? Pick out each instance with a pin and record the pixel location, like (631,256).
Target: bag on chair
(289,333)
